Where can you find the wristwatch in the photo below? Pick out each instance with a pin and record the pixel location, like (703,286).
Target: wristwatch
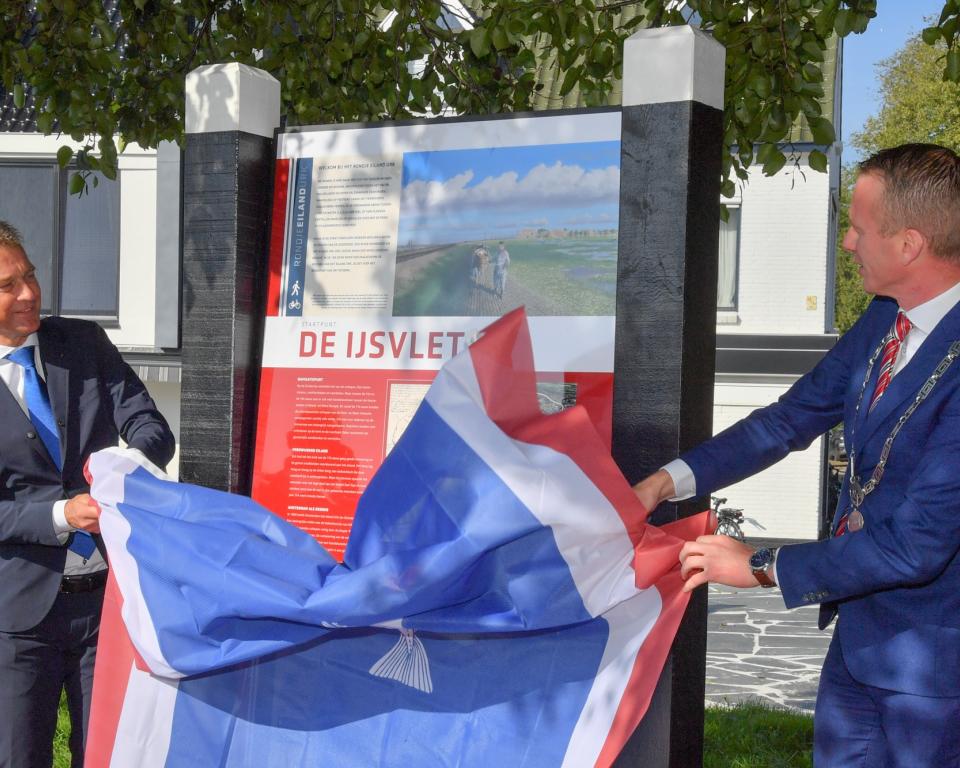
(761,563)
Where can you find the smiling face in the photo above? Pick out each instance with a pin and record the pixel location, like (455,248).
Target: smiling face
(879,255)
(19,296)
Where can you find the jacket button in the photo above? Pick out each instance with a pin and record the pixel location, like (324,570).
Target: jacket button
(31,435)
(60,423)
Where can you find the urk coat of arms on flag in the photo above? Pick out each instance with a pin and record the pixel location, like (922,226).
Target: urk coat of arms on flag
(501,600)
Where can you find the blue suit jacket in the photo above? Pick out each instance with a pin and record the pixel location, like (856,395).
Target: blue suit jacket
(896,582)
(96,398)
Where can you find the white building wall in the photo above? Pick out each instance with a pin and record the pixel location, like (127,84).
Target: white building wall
(783,246)
(784,500)
(138,250)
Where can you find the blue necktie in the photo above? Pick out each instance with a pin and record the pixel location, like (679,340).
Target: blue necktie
(41,414)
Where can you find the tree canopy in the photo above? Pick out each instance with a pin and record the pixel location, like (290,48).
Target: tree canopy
(916,105)
(100,70)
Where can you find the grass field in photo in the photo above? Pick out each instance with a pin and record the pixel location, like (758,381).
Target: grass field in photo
(552,276)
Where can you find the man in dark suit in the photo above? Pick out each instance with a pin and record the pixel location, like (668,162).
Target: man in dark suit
(890,686)
(66,393)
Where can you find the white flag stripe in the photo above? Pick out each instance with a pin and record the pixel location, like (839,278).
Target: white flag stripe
(630,624)
(603,570)
(109,476)
(146,722)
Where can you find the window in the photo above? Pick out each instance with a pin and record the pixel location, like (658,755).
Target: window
(729,260)
(74,242)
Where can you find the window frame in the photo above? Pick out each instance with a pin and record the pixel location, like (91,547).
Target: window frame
(734,306)
(52,296)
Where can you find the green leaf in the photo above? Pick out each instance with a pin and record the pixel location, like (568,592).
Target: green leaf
(500,39)
(760,84)
(948,8)
(822,131)
(858,23)
(952,71)
(480,42)
(64,155)
(775,163)
(813,51)
(18,96)
(818,161)
(843,22)
(930,35)
(570,80)
(765,153)
(77,184)
(44,122)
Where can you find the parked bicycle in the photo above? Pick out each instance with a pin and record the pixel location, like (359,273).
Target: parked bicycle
(729,519)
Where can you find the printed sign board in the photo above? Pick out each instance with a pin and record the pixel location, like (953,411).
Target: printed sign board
(392,247)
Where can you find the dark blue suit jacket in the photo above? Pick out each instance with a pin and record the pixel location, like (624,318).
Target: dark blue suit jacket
(96,398)
(896,582)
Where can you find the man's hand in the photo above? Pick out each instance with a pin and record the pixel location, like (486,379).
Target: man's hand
(718,559)
(83,513)
(654,489)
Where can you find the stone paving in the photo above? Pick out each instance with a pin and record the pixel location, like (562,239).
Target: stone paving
(758,650)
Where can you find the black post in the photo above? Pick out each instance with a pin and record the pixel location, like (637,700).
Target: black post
(232,111)
(666,322)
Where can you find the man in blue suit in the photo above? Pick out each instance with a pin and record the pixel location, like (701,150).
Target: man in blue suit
(890,686)
(66,393)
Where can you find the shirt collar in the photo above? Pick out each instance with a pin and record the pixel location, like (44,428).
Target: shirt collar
(925,316)
(32,340)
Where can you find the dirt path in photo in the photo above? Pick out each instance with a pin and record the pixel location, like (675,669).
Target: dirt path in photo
(484,301)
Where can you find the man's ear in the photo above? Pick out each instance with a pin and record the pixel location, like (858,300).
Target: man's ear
(914,244)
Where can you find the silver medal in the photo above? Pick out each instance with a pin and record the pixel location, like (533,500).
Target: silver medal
(855,521)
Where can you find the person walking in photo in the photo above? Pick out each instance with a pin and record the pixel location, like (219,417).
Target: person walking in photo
(890,686)
(501,264)
(478,259)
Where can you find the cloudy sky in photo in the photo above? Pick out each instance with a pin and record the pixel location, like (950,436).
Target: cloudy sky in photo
(492,193)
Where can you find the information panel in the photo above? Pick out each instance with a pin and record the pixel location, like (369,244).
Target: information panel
(392,247)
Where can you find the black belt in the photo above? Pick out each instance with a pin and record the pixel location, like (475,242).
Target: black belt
(86,583)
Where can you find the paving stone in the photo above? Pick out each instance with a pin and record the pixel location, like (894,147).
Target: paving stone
(757,650)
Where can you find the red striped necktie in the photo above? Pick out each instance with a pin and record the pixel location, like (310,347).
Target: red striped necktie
(901,327)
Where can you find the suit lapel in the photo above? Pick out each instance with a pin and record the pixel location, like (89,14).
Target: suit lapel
(861,426)
(907,383)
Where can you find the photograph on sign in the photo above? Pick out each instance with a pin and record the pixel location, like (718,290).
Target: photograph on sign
(485,231)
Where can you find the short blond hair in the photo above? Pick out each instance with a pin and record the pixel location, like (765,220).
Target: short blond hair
(921,190)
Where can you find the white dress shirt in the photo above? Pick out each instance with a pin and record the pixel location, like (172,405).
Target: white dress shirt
(12,375)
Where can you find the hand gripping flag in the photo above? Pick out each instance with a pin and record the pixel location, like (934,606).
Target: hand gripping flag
(501,601)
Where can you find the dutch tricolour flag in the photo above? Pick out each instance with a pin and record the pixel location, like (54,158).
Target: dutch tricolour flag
(501,600)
